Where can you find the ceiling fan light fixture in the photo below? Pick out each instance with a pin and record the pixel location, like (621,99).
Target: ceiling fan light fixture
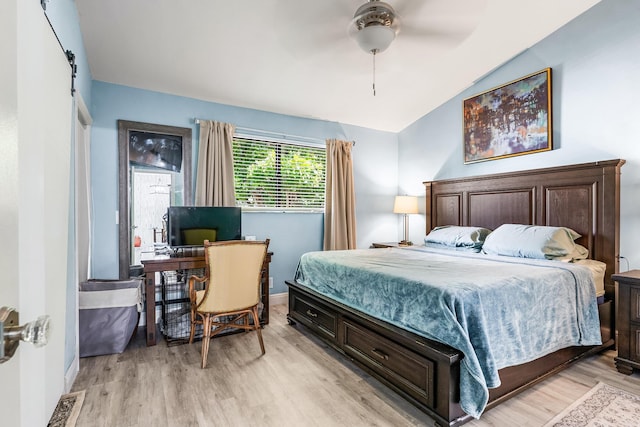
(375,38)
(374,26)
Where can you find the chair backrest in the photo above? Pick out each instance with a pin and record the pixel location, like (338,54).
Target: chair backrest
(234,270)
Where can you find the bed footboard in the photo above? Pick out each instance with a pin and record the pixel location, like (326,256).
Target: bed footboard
(424,372)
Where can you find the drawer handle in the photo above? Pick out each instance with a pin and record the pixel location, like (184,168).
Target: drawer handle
(311,313)
(381,354)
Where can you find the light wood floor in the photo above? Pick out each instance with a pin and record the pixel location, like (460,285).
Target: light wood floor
(299,382)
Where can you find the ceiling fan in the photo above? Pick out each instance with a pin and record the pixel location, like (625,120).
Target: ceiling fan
(374,26)
(331,29)
(376,23)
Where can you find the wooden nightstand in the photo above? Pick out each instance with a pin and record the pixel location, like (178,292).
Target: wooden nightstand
(378,245)
(628,321)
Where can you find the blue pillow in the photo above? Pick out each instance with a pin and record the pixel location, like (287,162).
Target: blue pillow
(457,237)
(534,241)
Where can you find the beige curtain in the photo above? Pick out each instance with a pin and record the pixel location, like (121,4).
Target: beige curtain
(340,198)
(214,183)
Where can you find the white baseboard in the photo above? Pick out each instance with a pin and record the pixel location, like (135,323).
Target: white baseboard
(281,298)
(71,374)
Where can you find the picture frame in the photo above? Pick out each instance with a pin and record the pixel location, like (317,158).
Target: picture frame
(509,120)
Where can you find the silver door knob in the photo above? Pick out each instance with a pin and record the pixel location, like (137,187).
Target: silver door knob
(11,333)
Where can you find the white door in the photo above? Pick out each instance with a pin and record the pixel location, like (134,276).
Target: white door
(35,133)
(83,191)
(82,248)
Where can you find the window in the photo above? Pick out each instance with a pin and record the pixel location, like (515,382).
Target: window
(280,175)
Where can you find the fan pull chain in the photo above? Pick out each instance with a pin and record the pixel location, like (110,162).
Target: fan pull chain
(374,72)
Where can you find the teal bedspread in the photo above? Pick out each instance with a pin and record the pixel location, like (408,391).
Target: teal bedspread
(498,311)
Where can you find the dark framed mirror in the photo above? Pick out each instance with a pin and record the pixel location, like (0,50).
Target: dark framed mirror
(149,147)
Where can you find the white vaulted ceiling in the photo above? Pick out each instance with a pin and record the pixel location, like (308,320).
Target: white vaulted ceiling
(295,56)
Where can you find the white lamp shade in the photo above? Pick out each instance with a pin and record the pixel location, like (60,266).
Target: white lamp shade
(406,205)
(375,38)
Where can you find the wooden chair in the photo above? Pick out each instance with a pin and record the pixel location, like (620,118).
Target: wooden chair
(233,274)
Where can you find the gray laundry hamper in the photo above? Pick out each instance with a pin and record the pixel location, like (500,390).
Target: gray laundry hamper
(109,314)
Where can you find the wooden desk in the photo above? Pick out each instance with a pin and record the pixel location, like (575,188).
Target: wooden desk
(152,266)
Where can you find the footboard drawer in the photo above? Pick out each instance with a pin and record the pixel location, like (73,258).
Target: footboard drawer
(313,314)
(402,367)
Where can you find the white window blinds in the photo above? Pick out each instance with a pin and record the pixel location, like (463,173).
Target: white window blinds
(279,175)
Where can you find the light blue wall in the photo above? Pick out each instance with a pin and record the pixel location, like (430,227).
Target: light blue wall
(375,173)
(595,68)
(63,17)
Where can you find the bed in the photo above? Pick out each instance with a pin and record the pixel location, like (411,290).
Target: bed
(415,359)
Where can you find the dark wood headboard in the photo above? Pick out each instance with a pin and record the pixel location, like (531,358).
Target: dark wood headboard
(583,197)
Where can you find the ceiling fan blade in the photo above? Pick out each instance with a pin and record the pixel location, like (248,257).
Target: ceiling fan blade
(457,18)
(313,28)
(407,7)
(448,36)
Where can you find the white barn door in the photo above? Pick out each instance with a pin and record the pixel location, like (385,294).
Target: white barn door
(35,129)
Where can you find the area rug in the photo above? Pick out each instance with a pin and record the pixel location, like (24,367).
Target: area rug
(67,411)
(602,406)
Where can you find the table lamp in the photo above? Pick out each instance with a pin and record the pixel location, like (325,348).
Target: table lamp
(406,205)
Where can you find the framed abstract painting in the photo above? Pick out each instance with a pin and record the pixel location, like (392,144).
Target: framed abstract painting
(509,120)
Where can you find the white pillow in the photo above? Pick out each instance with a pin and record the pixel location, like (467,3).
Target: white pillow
(457,237)
(534,241)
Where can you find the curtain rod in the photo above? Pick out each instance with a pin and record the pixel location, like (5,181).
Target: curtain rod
(280,134)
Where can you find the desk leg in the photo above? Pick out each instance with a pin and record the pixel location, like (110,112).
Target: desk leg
(150,291)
